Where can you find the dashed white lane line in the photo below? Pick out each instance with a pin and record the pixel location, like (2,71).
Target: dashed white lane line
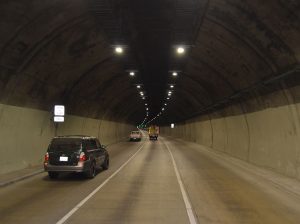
(186,200)
(81,203)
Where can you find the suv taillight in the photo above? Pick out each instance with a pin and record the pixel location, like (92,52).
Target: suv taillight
(46,157)
(82,157)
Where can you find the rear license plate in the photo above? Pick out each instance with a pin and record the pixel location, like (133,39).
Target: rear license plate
(63,158)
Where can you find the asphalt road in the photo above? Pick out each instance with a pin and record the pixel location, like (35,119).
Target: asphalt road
(162,181)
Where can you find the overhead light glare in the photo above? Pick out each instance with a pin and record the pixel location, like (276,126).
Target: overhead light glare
(180,50)
(171,86)
(132,73)
(174,73)
(138,86)
(119,50)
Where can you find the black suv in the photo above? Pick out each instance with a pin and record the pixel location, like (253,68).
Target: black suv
(75,153)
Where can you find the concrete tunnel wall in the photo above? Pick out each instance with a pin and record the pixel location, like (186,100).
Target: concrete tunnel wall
(25,134)
(267,137)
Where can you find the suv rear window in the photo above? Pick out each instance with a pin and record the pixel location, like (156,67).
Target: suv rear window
(90,144)
(65,144)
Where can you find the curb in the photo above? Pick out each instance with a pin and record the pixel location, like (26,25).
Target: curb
(17,179)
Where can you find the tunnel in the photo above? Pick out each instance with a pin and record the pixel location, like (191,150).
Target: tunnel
(220,78)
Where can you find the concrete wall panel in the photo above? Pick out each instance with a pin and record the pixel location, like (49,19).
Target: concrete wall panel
(220,134)
(25,135)
(274,140)
(237,137)
(203,132)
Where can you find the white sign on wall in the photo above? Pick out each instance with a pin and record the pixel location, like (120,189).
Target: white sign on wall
(58,119)
(59,110)
(59,113)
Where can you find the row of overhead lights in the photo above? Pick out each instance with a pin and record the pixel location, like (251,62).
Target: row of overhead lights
(143,96)
(170,91)
(180,50)
(119,50)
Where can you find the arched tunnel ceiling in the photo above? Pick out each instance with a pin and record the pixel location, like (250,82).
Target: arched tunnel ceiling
(61,51)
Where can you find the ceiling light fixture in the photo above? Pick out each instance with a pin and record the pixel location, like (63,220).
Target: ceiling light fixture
(119,50)
(180,50)
(131,73)
(174,73)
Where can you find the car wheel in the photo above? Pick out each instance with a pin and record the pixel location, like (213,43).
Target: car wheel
(91,173)
(106,164)
(53,175)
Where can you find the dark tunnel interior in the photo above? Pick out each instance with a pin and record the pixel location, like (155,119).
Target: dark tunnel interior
(63,52)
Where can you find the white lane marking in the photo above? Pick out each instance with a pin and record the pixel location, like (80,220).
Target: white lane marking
(183,191)
(81,203)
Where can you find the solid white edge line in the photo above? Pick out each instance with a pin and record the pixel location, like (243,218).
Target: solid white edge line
(183,191)
(81,203)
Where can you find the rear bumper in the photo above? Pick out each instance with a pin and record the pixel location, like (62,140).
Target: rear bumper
(81,167)
(135,139)
(153,137)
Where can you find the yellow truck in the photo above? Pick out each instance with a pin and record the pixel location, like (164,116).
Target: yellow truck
(153,132)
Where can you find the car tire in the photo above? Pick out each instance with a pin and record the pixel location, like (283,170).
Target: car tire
(53,175)
(105,164)
(91,173)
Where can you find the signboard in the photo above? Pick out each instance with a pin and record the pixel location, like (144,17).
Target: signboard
(59,113)
(58,119)
(59,110)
